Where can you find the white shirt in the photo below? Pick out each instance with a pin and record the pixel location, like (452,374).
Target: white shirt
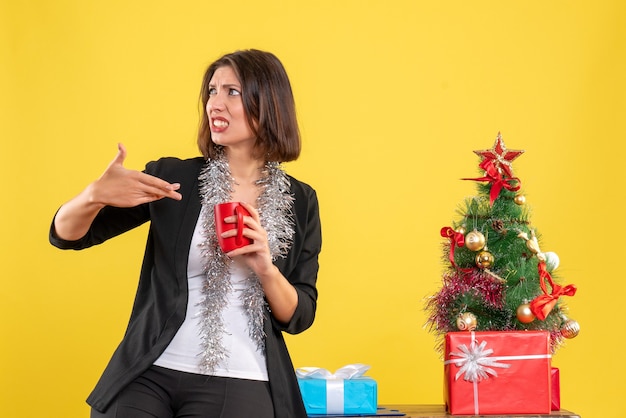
(244,361)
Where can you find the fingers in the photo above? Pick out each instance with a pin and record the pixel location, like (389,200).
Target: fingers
(158,187)
(253,212)
(247,220)
(253,229)
(119,157)
(257,254)
(121,153)
(121,187)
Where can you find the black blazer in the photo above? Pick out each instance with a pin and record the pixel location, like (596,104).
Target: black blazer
(161,299)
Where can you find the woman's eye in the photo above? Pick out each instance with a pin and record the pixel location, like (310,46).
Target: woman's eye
(234,92)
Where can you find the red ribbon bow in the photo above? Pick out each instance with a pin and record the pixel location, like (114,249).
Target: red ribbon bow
(493,176)
(455,238)
(543,304)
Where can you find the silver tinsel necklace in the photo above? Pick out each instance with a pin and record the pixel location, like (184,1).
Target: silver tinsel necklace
(275,206)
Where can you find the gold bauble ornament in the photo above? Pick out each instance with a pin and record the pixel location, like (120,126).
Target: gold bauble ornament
(533,246)
(475,241)
(520,199)
(532,243)
(570,328)
(484,259)
(461,230)
(524,314)
(466,321)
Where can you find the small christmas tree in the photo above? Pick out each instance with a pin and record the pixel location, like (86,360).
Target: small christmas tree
(497,278)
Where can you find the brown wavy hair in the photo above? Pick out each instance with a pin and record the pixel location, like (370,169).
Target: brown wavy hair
(267,101)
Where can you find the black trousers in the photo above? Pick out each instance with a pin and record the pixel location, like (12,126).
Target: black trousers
(165,393)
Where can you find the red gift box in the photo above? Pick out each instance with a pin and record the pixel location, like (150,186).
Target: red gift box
(497,372)
(556,389)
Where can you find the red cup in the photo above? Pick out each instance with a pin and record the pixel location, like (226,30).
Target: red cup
(225,210)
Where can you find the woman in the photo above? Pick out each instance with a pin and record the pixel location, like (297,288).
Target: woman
(205,333)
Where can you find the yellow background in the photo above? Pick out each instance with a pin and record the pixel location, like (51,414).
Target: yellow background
(392,97)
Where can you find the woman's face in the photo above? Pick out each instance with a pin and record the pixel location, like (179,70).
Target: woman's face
(227,118)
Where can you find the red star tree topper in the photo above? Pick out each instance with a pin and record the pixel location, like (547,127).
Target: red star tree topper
(500,156)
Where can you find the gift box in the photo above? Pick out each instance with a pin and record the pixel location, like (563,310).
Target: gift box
(499,372)
(556,389)
(344,392)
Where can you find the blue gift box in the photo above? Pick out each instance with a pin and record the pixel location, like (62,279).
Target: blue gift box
(358,395)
